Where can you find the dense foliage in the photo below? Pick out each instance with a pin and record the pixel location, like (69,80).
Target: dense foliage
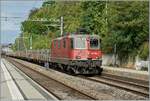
(120,24)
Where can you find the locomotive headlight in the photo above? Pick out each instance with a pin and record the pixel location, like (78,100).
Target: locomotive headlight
(78,57)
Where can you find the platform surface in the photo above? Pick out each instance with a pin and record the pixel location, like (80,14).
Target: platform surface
(16,86)
(5,93)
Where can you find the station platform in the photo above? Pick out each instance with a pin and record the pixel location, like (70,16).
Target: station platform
(15,85)
(124,72)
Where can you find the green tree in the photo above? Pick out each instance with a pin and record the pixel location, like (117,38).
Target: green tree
(128,26)
(94,17)
(144,51)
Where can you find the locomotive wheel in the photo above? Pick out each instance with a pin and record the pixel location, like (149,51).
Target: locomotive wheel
(77,70)
(99,70)
(65,68)
(82,70)
(70,70)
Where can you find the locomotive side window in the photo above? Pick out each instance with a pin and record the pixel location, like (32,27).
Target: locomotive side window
(54,43)
(94,43)
(64,43)
(71,43)
(58,43)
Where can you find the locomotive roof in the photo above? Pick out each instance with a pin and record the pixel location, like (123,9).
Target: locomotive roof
(73,36)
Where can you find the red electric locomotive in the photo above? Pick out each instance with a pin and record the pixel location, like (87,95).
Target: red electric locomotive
(77,53)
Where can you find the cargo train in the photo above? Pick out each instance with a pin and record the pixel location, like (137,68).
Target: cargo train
(75,53)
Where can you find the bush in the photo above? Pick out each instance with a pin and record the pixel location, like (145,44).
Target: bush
(144,51)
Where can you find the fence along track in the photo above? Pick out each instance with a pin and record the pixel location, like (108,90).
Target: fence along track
(72,92)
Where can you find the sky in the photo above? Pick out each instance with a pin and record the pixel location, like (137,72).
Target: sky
(10,28)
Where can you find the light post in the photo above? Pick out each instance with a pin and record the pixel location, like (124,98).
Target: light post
(115,51)
(61,25)
(106,7)
(31,42)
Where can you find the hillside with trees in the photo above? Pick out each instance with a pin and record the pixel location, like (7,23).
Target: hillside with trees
(122,25)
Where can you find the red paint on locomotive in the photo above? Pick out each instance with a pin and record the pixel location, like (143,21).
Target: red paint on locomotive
(75,47)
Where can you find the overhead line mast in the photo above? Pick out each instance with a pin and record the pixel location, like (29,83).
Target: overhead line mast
(61,25)
(43,20)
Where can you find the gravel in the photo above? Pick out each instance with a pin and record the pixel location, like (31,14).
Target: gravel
(94,89)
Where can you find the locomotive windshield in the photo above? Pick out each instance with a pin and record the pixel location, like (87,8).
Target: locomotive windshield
(94,43)
(80,43)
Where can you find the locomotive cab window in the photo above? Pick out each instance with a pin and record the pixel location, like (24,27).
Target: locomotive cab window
(94,43)
(80,43)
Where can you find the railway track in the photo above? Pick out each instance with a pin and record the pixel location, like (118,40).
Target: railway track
(136,82)
(58,89)
(139,87)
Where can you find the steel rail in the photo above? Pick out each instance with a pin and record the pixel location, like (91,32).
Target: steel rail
(119,84)
(140,82)
(18,63)
(125,81)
